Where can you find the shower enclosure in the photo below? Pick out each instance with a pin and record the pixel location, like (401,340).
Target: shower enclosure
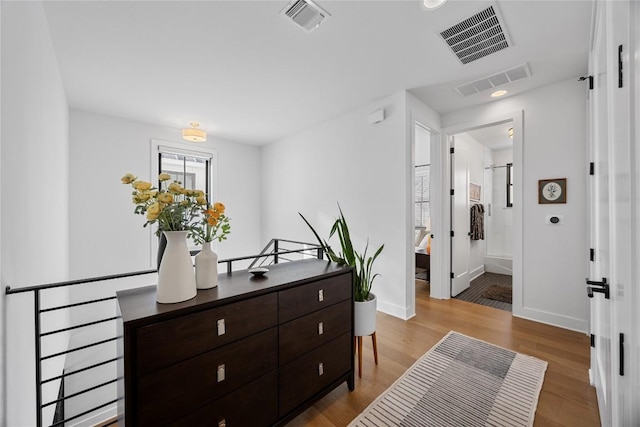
(499,217)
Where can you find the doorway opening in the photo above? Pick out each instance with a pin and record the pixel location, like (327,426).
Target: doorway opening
(422,206)
(482,196)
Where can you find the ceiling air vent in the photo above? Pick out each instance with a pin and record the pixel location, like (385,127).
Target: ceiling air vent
(478,36)
(305,13)
(487,83)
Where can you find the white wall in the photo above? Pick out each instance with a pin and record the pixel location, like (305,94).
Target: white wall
(359,165)
(104,148)
(368,169)
(34,179)
(554,257)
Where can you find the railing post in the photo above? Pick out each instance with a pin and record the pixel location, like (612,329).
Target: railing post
(275,249)
(36,303)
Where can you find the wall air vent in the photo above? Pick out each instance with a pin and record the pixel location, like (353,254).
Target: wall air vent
(305,13)
(488,83)
(477,36)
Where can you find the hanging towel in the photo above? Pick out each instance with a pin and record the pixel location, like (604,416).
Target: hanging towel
(477,222)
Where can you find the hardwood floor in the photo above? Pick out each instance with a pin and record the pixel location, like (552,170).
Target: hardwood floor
(566,399)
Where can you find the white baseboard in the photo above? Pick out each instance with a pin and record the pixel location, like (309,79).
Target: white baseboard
(403,313)
(477,272)
(565,322)
(96,419)
(591,378)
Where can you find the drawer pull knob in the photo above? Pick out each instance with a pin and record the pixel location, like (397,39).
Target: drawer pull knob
(221,328)
(222,423)
(320,369)
(320,328)
(221,373)
(320,295)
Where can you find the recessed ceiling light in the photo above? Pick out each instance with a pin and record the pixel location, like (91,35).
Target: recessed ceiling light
(433,4)
(499,93)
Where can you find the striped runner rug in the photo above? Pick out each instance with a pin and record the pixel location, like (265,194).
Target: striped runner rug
(461,381)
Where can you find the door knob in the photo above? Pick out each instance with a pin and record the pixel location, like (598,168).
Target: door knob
(601,287)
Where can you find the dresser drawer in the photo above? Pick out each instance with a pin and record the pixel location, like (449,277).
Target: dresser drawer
(308,332)
(303,377)
(164,395)
(314,296)
(255,405)
(162,344)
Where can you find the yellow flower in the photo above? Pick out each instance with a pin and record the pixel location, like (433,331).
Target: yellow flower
(198,193)
(184,203)
(152,193)
(164,177)
(152,216)
(212,221)
(154,209)
(144,196)
(201,200)
(219,207)
(128,178)
(175,188)
(142,185)
(165,198)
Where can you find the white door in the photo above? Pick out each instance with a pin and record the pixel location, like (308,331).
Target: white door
(622,184)
(599,193)
(460,247)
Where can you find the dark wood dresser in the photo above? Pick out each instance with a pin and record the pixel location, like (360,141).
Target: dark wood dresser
(255,351)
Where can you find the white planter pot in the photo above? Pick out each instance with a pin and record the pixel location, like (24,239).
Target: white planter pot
(206,267)
(365,317)
(176,279)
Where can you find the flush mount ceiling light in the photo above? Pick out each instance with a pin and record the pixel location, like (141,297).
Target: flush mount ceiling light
(499,93)
(193,134)
(433,4)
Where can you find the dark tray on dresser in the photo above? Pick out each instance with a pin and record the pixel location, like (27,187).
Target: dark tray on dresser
(255,351)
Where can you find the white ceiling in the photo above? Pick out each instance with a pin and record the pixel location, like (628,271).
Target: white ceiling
(248,74)
(494,137)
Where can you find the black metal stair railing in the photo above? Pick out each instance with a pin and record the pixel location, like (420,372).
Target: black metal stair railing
(273,252)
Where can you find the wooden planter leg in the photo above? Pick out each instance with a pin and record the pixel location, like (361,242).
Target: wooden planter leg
(375,347)
(360,357)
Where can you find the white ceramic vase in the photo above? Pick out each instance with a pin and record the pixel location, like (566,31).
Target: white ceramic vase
(206,267)
(365,316)
(176,279)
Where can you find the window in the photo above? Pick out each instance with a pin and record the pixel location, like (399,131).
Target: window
(193,169)
(422,196)
(509,185)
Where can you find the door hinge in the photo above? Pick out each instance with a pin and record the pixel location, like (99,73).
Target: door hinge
(621,354)
(592,168)
(593,341)
(590,78)
(592,254)
(620,79)
(451,150)
(452,276)
(452,192)
(452,233)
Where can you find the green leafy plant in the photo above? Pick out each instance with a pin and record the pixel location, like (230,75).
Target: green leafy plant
(349,256)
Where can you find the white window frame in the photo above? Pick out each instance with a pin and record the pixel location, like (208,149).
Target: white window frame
(158,146)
